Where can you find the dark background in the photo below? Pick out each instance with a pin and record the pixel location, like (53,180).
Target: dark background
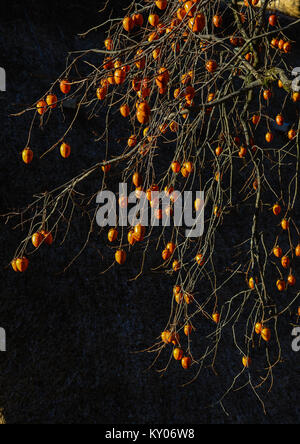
(72,337)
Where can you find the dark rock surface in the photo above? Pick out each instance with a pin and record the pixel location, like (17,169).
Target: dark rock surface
(72,337)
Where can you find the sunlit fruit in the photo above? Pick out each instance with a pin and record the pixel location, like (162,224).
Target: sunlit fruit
(48,237)
(165,336)
(166,255)
(14,265)
(252,282)
(153,19)
(246,361)
(285,261)
(277,251)
(292,134)
(266,334)
(171,247)
(258,328)
(176,265)
(37,239)
(177,354)
(291,280)
(188,329)
(267,94)
(65,86)
(41,107)
(280,284)
(273,20)
(65,150)
(101,93)
(106,168)
(27,155)
(51,101)
(279,120)
(137,179)
(186,362)
(200,259)
(216,318)
(276,209)
(120,257)
(269,137)
(128,24)
(22,264)
(109,44)
(112,235)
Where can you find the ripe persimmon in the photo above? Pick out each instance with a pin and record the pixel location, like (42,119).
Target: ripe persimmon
(120,257)
(266,334)
(246,361)
(41,107)
(276,209)
(267,94)
(166,255)
(285,224)
(269,137)
(138,19)
(14,265)
(258,328)
(171,247)
(186,362)
(109,44)
(279,120)
(252,282)
(177,354)
(197,23)
(280,284)
(165,336)
(188,329)
(216,317)
(27,155)
(131,238)
(218,21)
(285,261)
(132,141)
(51,101)
(153,19)
(291,280)
(128,24)
(139,232)
(211,66)
(112,235)
(292,134)
(190,8)
(176,265)
(175,167)
(22,264)
(101,92)
(273,20)
(106,168)
(37,239)
(65,150)
(65,86)
(277,251)
(137,179)
(48,237)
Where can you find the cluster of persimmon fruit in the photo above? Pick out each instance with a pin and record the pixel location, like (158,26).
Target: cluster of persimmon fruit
(117,72)
(42,106)
(186,93)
